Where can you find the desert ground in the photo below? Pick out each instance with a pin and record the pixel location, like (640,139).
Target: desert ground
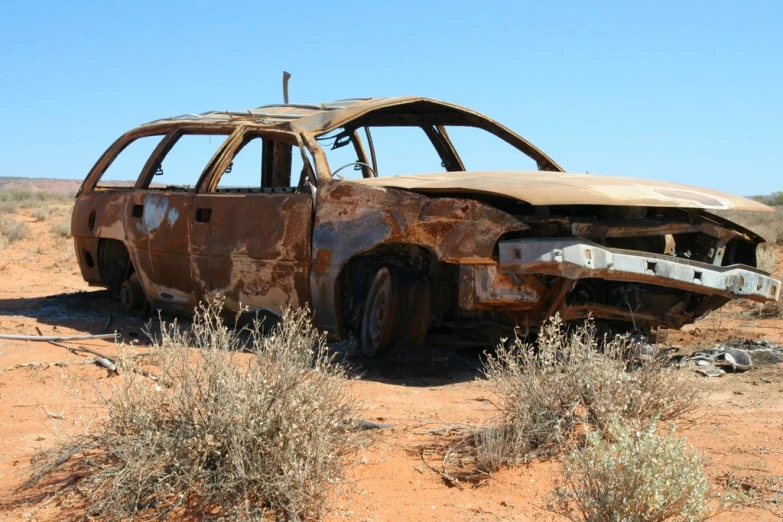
(426,397)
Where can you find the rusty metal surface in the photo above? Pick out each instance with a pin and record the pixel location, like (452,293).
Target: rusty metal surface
(313,239)
(555,188)
(264,261)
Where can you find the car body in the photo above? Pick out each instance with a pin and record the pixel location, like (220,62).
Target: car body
(464,254)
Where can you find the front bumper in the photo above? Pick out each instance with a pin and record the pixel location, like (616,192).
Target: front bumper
(510,284)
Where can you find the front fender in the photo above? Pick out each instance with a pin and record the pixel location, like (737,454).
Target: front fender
(352,218)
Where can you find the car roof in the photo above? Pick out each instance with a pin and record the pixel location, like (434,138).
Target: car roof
(318,119)
(299,117)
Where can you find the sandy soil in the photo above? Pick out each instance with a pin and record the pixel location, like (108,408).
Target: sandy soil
(425,396)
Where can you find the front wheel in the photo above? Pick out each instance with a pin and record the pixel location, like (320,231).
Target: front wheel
(378,328)
(396,311)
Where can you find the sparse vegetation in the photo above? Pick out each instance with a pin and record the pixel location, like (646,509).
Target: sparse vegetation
(569,381)
(768,225)
(12,200)
(221,435)
(636,476)
(12,230)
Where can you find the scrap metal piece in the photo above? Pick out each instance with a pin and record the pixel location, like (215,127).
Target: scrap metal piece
(738,359)
(710,371)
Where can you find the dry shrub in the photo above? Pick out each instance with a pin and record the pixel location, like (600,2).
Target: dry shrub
(221,435)
(13,230)
(638,476)
(567,381)
(62,228)
(771,310)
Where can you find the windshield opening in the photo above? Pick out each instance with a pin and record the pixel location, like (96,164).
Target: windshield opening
(383,150)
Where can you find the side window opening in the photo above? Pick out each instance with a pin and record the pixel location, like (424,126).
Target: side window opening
(125,169)
(262,165)
(181,166)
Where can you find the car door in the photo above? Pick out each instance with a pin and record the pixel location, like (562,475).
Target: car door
(250,227)
(158,214)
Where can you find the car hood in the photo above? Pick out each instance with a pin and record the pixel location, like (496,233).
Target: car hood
(562,188)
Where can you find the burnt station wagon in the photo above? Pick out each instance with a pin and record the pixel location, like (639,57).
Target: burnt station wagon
(326,204)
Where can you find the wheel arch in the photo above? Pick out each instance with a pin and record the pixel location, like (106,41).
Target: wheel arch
(114,262)
(355,276)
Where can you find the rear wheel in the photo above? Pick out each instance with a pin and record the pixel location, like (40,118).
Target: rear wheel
(132,294)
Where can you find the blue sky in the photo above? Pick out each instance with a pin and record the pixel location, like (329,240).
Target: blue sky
(679,91)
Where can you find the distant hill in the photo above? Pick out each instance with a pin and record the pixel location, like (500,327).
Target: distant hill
(60,186)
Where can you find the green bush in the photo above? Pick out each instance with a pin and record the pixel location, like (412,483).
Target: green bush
(776,198)
(568,381)
(636,477)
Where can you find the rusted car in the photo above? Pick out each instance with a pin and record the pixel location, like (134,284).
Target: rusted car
(326,204)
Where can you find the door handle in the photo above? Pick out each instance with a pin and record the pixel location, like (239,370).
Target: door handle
(138,211)
(203,215)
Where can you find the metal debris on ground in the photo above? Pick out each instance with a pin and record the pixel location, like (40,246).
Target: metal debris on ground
(710,371)
(735,355)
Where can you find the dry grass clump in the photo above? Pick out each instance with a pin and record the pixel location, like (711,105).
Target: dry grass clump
(766,257)
(41,212)
(568,381)
(220,435)
(638,476)
(62,228)
(12,230)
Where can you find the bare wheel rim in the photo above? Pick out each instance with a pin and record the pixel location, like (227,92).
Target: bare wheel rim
(379,314)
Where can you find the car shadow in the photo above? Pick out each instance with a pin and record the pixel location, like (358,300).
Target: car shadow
(98,311)
(91,312)
(428,367)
